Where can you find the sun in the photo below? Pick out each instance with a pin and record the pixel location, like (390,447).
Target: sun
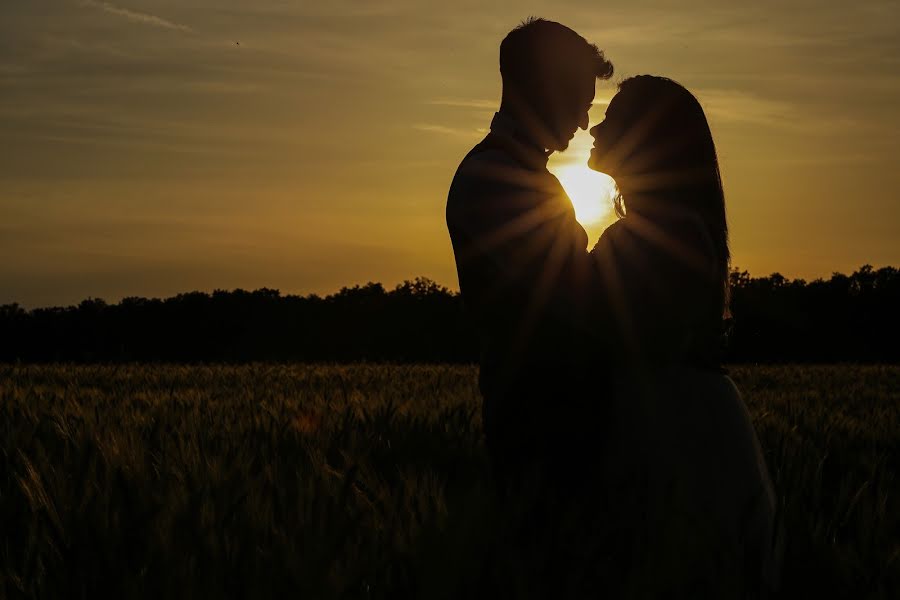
(591,192)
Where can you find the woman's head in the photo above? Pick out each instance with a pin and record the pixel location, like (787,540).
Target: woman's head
(656,143)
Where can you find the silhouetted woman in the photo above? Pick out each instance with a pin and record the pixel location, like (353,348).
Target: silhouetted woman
(688,486)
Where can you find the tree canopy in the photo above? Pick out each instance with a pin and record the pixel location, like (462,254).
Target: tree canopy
(847,318)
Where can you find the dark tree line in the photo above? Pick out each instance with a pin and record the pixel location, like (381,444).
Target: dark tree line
(846,318)
(852,318)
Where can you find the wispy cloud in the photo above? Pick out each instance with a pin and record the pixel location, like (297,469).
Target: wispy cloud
(135,16)
(493,104)
(463,103)
(737,106)
(450,131)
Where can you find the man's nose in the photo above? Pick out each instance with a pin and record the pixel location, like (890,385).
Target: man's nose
(584,122)
(595,130)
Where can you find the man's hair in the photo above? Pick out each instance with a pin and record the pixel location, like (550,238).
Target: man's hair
(538,39)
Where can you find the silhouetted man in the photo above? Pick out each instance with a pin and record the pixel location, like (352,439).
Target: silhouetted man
(520,254)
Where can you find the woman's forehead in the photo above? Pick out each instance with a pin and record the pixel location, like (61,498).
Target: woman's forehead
(618,105)
(629,102)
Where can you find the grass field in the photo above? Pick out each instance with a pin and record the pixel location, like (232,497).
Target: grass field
(368,481)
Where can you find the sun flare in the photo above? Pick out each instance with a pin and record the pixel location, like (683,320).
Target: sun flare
(591,192)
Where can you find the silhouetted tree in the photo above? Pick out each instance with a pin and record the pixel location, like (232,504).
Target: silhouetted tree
(775,319)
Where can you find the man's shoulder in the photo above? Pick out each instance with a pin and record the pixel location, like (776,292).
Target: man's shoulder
(486,172)
(483,158)
(492,166)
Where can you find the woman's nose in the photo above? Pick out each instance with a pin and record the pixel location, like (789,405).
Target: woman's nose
(595,130)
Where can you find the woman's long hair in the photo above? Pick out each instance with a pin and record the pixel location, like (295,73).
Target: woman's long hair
(673,164)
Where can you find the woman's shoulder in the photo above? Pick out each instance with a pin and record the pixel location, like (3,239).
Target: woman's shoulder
(612,241)
(675,233)
(671,254)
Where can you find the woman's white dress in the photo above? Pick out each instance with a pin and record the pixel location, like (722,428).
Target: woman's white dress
(692,491)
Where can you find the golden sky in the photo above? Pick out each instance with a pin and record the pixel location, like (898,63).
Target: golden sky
(151,148)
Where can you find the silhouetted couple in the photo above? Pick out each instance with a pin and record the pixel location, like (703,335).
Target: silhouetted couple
(603,393)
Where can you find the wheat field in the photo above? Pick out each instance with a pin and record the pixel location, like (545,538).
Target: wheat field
(370,481)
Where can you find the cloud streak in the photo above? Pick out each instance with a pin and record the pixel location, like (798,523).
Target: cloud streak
(135,16)
(464,103)
(449,131)
(741,107)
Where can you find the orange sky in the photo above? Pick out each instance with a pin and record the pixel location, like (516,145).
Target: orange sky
(147,153)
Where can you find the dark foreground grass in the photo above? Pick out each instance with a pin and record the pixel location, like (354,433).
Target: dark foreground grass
(369,481)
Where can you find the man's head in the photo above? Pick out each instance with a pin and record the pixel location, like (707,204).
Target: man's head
(549,73)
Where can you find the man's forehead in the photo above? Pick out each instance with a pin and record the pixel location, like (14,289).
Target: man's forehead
(588,87)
